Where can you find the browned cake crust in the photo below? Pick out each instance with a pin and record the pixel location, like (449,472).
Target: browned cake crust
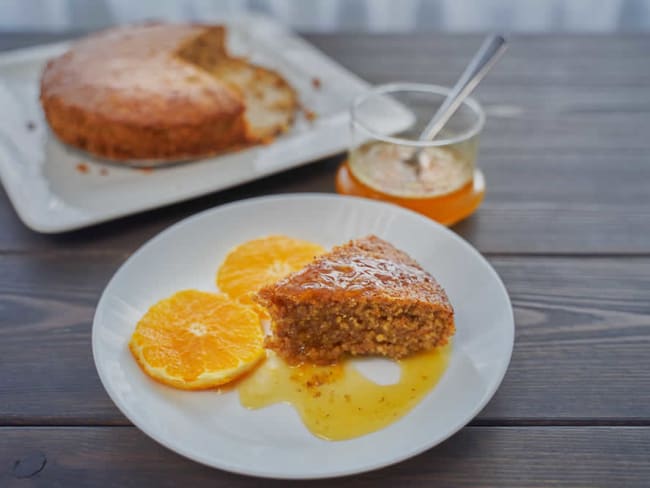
(136,93)
(365,297)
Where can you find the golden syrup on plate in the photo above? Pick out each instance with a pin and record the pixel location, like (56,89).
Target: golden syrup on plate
(338,402)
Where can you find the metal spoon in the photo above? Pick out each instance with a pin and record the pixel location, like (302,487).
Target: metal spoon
(486,57)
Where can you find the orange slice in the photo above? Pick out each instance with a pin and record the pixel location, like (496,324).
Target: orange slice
(196,340)
(263,261)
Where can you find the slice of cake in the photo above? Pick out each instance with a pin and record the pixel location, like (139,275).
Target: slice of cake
(363,298)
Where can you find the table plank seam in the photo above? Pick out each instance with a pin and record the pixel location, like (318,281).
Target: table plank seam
(11,252)
(519,423)
(61,253)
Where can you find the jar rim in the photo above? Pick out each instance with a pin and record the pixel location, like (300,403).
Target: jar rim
(388,88)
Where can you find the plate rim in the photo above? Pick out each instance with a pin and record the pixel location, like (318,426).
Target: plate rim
(206,460)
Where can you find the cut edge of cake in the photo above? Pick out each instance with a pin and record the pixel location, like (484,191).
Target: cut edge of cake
(269,101)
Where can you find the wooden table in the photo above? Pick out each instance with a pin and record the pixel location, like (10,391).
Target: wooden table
(566,223)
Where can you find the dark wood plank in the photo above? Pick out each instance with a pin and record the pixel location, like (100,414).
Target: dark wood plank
(562,203)
(581,352)
(475,457)
(47,307)
(550,203)
(576,213)
(566,59)
(564,150)
(18,40)
(582,333)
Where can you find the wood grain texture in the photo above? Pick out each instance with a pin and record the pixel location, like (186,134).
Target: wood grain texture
(564,59)
(565,153)
(475,457)
(564,150)
(581,351)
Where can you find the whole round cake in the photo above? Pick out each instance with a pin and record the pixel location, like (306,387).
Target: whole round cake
(162,92)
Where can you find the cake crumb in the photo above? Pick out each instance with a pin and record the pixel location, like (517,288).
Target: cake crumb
(103,172)
(310,115)
(30,125)
(146,170)
(82,168)
(316,83)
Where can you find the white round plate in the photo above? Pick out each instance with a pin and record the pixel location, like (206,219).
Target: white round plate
(213,428)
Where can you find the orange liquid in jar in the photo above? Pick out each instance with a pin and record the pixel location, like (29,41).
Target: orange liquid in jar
(446,189)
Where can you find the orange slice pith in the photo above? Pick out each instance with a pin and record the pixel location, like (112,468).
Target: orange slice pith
(259,262)
(197,340)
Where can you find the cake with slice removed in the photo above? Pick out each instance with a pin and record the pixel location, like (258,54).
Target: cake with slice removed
(162,92)
(365,297)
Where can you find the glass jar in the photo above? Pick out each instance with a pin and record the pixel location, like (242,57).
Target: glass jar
(386,161)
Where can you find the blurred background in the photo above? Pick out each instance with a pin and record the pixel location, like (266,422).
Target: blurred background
(598,16)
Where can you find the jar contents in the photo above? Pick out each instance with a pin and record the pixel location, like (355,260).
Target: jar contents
(384,167)
(443,185)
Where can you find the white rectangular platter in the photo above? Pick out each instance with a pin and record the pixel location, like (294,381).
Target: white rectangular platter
(55,188)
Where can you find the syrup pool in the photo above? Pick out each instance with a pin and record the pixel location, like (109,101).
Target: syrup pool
(339,402)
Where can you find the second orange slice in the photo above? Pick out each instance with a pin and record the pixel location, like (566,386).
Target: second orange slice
(263,261)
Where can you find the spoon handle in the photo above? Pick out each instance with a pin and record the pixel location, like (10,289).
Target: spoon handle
(487,55)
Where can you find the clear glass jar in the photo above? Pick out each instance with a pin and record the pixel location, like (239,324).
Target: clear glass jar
(441,180)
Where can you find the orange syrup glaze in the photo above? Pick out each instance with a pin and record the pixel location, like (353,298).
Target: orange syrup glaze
(446,209)
(338,402)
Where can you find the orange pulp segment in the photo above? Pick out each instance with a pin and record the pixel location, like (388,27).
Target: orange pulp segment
(197,340)
(263,261)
